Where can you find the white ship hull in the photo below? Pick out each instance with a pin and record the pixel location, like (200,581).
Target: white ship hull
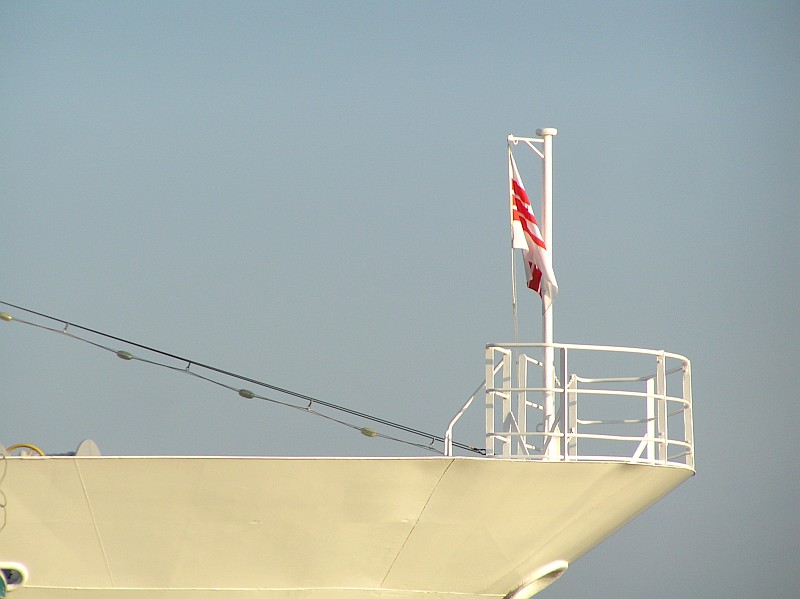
(311,528)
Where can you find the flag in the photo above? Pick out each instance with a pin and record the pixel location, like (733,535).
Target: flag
(525,235)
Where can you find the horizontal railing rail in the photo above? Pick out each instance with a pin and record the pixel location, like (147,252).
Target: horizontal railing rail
(611,403)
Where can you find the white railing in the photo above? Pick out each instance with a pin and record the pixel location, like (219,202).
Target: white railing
(617,404)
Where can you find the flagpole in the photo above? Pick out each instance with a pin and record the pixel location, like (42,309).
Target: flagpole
(513,266)
(548,375)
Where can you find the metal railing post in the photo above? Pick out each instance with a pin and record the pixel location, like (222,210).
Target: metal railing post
(522,403)
(661,393)
(508,419)
(688,423)
(490,401)
(572,408)
(566,425)
(650,417)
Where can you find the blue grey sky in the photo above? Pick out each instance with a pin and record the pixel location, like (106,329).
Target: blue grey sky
(314,195)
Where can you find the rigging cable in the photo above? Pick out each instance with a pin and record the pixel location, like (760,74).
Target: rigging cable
(242,392)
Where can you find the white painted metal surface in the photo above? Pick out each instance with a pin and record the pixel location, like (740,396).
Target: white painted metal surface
(402,528)
(545,140)
(548,370)
(567,464)
(612,404)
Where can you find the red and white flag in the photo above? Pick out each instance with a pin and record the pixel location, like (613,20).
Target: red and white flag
(525,235)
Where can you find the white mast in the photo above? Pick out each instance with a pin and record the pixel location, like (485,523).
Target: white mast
(545,139)
(548,375)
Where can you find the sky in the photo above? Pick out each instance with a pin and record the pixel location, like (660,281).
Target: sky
(314,195)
